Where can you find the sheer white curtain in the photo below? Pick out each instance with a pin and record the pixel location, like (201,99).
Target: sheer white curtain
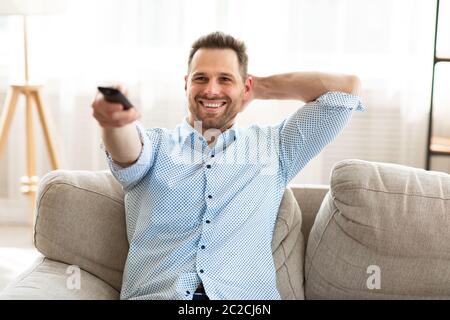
(145,45)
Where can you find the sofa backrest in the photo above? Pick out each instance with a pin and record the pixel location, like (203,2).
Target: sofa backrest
(383,232)
(309,198)
(80,221)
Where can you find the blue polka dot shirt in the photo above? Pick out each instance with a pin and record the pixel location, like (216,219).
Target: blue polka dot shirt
(199,213)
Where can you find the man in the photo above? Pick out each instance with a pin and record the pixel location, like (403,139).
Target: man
(200,209)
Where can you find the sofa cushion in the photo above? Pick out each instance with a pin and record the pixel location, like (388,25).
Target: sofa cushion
(382,232)
(50,280)
(288,248)
(81,221)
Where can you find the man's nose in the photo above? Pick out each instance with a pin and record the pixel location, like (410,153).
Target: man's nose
(213,88)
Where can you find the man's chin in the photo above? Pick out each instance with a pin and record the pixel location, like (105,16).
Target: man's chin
(208,122)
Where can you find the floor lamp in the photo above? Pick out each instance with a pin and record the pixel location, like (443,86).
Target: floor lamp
(32,94)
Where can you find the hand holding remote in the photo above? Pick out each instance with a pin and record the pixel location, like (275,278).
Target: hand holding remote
(114,95)
(112,109)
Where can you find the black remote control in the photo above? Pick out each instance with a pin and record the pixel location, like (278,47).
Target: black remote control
(114,95)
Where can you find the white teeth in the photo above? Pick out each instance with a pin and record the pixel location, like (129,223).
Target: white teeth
(212,105)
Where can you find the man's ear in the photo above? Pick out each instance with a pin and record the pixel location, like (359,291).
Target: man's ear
(185,83)
(248,85)
(248,92)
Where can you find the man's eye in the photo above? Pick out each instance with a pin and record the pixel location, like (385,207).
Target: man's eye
(226,79)
(200,78)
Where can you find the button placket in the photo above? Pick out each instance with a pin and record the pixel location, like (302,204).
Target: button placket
(200,257)
(208,193)
(208,165)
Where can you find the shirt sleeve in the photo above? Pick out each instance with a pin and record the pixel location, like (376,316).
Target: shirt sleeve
(306,132)
(131,175)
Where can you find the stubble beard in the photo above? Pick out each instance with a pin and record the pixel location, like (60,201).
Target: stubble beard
(222,122)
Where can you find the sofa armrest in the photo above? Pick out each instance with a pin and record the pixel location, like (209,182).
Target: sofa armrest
(81,221)
(49,279)
(381,233)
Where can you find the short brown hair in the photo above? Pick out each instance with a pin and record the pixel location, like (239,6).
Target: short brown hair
(220,40)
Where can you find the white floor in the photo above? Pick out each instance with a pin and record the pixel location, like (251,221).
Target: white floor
(17,251)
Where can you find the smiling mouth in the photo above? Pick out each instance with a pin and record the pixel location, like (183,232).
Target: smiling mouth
(212,105)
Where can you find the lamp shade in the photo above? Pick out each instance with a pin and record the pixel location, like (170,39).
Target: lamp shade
(31,7)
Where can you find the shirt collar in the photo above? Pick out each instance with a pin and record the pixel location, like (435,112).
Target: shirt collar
(186,130)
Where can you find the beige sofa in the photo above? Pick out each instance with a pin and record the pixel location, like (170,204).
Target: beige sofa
(381,232)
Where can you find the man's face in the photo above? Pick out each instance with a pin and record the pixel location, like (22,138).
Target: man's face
(215,88)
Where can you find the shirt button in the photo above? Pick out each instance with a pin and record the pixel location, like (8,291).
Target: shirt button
(207,221)
(201,271)
(210,196)
(187,292)
(202,247)
(212,156)
(208,166)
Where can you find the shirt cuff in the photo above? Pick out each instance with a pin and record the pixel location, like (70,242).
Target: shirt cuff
(126,175)
(341,99)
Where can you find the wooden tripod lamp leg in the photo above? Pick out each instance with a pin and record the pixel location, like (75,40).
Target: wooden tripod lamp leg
(32,94)
(48,138)
(31,154)
(7,116)
(31,146)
